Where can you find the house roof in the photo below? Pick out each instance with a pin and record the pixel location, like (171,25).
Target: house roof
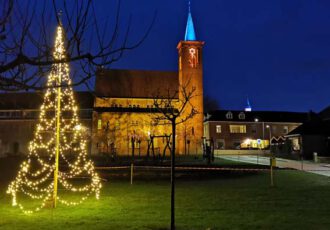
(316,126)
(118,83)
(325,113)
(261,116)
(33,100)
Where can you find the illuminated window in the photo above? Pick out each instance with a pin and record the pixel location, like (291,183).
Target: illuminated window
(237,128)
(218,129)
(117,125)
(229,115)
(285,129)
(241,116)
(99,124)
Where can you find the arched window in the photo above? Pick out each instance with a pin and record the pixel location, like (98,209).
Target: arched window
(241,116)
(229,115)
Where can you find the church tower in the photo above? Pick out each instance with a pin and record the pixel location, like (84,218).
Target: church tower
(191,74)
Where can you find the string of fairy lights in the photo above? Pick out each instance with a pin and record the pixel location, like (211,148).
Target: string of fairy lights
(35,177)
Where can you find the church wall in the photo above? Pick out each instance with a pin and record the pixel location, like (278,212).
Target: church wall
(113,133)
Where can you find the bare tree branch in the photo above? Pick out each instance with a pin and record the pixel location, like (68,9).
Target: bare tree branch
(26,42)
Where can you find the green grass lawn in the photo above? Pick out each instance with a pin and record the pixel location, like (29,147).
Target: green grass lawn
(228,200)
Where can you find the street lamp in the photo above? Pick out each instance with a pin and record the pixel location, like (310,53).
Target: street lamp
(270,134)
(256,120)
(271,158)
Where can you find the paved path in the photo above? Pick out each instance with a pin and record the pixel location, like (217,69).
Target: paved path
(308,166)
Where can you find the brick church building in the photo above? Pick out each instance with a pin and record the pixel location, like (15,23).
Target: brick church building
(121,108)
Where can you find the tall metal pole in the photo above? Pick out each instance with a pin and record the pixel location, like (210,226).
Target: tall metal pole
(173,177)
(263,135)
(57,147)
(271,157)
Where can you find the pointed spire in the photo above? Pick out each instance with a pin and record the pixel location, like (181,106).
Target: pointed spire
(190,30)
(248,107)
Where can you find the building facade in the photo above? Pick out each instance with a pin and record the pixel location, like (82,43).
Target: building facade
(249,130)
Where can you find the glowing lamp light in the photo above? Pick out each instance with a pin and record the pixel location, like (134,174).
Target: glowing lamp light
(247,141)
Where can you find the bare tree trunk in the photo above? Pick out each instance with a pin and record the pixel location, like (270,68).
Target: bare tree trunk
(173,177)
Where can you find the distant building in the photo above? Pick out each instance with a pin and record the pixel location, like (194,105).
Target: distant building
(249,130)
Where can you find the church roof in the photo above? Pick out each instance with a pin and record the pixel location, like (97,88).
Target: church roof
(313,127)
(190,30)
(119,83)
(33,100)
(262,116)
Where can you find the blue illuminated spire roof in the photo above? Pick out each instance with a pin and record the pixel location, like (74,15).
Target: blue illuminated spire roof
(248,107)
(190,30)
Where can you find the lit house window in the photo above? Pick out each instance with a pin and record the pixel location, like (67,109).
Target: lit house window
(99,124)
(218,128)
(285,129)
(241,116)
(229,115)
(237,128)
(117,125)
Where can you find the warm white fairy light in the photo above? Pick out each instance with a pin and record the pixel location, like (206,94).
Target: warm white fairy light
(35,177)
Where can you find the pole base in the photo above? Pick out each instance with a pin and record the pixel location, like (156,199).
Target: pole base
(50,203)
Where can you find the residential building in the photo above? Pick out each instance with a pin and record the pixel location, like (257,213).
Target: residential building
(249,130)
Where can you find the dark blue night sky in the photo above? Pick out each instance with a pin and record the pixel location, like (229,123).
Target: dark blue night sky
(276,51)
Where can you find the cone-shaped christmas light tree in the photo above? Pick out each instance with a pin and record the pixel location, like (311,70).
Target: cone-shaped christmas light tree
(58,153)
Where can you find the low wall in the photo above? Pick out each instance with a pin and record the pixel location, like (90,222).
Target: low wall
(240,152)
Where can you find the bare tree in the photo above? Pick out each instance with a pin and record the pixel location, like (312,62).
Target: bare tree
(173,109)
(26,28)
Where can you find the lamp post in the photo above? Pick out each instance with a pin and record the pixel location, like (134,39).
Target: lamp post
(270,157)
(270,134)
(257,120)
